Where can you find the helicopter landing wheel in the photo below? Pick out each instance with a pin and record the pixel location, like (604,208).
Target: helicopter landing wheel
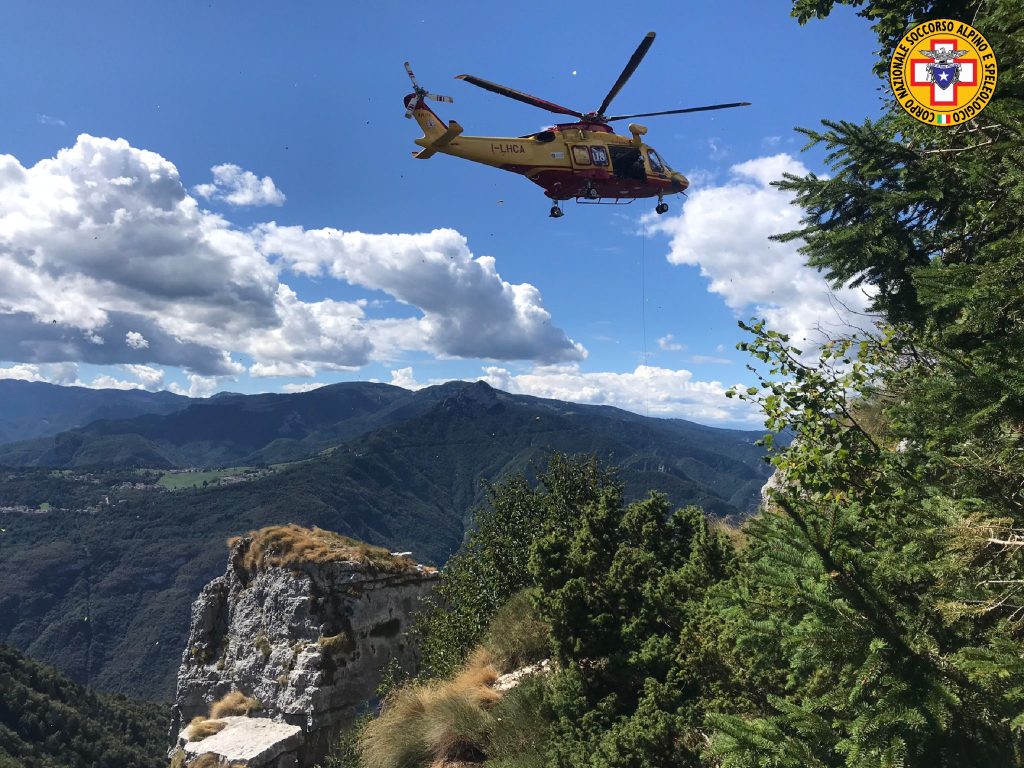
(556,212)
(661,208)
(591,194)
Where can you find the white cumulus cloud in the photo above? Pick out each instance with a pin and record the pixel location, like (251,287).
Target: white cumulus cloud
(724,231)
(149,377)
(198,386)
(133,339)
(404,378)
(668,343)
(262,370)
(53,373)
(468,309)
(307,386)
(67,374)
(646,390)
(107,259)
(239,187)
(105,381)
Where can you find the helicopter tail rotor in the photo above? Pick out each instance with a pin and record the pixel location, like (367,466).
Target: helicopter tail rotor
(422,93)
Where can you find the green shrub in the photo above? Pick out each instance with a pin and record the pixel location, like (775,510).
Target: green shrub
(625,594)
(346,753)
(493,563)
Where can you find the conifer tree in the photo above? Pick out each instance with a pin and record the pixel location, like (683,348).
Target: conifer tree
(493,562)
(625,592)
(889,569)
(854,573)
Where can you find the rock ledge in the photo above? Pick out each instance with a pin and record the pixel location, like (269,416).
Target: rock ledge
(251,741)
(310,640)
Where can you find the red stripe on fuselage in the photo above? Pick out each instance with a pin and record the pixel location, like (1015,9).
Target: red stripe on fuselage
(564,183)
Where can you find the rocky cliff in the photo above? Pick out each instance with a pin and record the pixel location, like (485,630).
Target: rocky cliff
(306,622)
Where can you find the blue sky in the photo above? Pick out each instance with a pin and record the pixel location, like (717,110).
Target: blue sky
(247,283)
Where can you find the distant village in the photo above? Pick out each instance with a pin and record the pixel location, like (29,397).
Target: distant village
(152,482)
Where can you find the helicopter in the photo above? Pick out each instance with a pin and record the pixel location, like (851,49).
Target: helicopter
(584,160)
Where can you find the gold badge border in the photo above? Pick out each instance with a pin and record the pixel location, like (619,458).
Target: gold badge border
(932,111)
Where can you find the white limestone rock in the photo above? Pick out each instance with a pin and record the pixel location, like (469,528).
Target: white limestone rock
(774,483)
(508,681)
(311,641)
(254,742)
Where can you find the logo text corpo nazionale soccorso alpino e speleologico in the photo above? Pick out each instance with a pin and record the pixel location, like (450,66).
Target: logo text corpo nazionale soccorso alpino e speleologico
(943,72)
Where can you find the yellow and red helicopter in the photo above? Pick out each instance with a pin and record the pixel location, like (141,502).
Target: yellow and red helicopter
(585,160)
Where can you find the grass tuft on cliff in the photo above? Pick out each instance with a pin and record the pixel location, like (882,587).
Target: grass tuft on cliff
(517,635)
(284,546)
(336,644)
(235,703)
(211,760)
(200,728)
(460,721)
(437,721)
(464,719)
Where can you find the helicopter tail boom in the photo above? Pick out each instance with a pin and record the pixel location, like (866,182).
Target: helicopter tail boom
(432,146)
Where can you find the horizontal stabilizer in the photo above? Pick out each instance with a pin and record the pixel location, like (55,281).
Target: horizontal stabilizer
(429,150)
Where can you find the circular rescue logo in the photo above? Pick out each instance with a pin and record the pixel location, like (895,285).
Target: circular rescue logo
(943,72)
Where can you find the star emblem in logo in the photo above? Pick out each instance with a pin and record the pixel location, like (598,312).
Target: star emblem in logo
(944,71)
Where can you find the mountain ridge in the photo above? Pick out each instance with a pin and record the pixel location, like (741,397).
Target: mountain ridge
(104,593)
(233,429)
(32,409)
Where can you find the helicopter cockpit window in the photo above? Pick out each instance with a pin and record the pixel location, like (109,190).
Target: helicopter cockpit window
(656,165)
(599,155)
(581,155)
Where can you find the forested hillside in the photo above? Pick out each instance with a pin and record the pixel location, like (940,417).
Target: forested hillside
(103,592)
(871,615)
(46,721)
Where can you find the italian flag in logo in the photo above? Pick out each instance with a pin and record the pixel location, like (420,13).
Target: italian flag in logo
(942,119)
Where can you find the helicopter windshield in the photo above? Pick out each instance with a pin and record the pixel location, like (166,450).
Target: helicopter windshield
(656,162)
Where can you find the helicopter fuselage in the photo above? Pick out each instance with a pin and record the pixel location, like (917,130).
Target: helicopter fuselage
(586,161)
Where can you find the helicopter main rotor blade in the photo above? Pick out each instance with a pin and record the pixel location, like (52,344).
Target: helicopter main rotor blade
(681,111)
(511,93)
(408,69)
(632,64)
